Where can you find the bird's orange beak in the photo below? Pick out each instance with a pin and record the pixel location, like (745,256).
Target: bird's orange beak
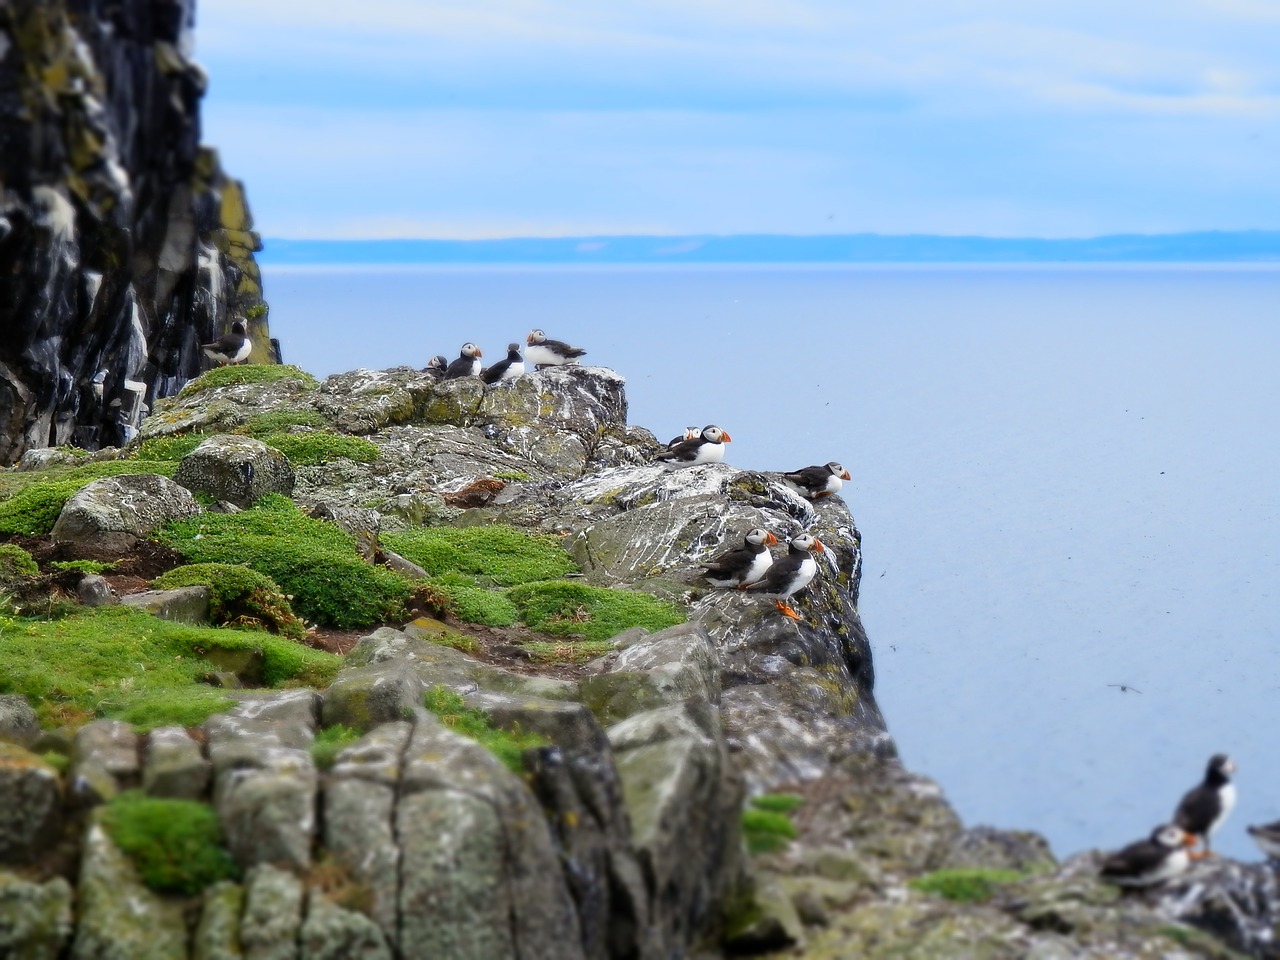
(845,476)
(770,539)
(479,352)
(725,434)
(817,545)
(529,339)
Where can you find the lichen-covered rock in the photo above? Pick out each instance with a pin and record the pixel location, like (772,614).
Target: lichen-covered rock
(93,590)
(770,923)
(366,696)
(272,914)
(480,879)
(182,604)
(264,778)
(30,804)
(129,505)
(174,766)
(18,723)
(117,917)
(35,918)
(217,934)
(331,933)
(239,470)
(104,760)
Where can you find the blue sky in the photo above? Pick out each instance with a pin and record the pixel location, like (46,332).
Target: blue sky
(497,118)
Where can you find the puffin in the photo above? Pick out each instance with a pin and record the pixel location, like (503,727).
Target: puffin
(1267,838)
(507,369)
(706,447)
(543,352)
(1160,857)
(467,364)
(744,564)
(690,433)
(1205,807)
(436,367)
(233,347)
(813,483)
(790,574)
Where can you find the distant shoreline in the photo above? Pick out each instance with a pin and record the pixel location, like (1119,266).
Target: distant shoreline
(1206,248)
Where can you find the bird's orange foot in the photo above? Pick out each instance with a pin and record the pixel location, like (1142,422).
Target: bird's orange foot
(786,610)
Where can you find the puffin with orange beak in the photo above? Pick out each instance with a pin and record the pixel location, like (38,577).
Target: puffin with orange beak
(542,351)
(791,574)
(707,447)
(813,483)
(467,365)
(744,564)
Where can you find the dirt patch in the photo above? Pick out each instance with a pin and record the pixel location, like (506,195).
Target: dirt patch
(144,561)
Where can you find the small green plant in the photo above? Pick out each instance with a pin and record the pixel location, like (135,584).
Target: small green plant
(279,421)
(964,885)
(238,596)
(315,562)
(16,563)
(319,446)
(231,376)
(331,741)
(35,504)
(518,476)
(596,613)
(172,447)
(494,554)
(766,822)
(568,650)
(507,745)
(175,844)
(474,604)
(59,761)
(259,309)
(81,566)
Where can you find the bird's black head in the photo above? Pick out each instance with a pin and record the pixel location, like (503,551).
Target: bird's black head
(237,326)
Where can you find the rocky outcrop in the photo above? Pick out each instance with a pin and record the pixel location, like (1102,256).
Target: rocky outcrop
(123,244)
(123,509)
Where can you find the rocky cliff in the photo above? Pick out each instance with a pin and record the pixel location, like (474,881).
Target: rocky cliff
(511,765)
(123,245)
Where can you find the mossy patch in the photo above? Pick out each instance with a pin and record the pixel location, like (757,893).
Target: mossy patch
(965,886)
(81,566)
(507,745)
(122,663)
(464,600)
(238,596)
(251,373)
(321,446)
(495,554)
(331,741)
(315,562)
(35,499)
(280,421)
(16,563)
(172,447)
(766,822)
(596,613)
(176,845)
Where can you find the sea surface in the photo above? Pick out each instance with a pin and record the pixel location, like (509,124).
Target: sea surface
(1066,479)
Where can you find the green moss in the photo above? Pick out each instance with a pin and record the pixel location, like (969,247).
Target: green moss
(279,421)
(777,802)
(306,449)
(315,562)
(122,663)
(568,650)
(238,595)
(16,563)
(519,476)
(331,741)
(474,604)
(569,607)
(175,844)
(498,554)
(35,499)
(965,886)
(81,566)
(766,831)
(507,745)
(170,448)
(59,761)
(250,373)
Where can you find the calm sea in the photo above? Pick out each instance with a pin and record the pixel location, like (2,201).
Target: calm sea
(1066,479)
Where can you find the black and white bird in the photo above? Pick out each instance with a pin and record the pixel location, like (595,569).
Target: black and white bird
(436,366)
(1204,807)
(744,564)
(1160,857)
(813,483)
(508,368)
(690,433)
(706,447)
(467,365)
(1267,837)
(544,352)
(233,347)
(791,574)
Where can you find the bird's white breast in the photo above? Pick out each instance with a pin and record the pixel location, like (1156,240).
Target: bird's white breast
(513,371)
(762,562)
(538,354)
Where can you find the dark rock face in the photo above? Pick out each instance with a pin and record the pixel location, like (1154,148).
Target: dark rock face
(123,245)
